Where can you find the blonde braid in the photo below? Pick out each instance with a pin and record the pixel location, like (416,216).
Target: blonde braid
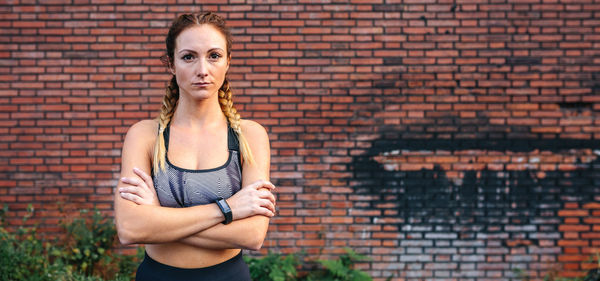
(226,102)
(166,113)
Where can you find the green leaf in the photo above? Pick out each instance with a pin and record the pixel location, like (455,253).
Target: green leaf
(336,267)
(360,276)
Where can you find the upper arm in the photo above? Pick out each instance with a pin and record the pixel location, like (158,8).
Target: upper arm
(138,146)
(137,151)
(258,140)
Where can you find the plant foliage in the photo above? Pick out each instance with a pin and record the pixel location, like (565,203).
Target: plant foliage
(273,267)
(341,269)
(88,240)
(85,254)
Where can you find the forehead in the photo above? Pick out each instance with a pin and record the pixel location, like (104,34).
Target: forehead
(200,38)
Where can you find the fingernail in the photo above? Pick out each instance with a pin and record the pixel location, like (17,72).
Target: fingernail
(135,169)
(123,179)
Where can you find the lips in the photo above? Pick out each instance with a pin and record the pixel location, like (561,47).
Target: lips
(201,84)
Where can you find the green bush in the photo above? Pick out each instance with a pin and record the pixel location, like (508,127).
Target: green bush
(23,256)
(88,245)
(85,254)
(341,269)
(273,267)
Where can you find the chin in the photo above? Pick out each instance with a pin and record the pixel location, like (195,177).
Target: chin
(201,94)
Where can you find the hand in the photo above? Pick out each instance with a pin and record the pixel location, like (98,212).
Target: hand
(139,190)
(254,199)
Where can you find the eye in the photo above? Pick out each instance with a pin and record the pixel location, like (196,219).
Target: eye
(187,57)
(214,56)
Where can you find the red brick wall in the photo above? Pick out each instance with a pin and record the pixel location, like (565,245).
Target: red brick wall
(444,140)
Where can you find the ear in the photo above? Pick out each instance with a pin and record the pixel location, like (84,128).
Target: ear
(228,61)
(172,68)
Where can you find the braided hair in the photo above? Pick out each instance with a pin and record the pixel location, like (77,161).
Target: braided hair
(171,96)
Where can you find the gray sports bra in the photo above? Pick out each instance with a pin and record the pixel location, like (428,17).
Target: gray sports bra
(178,187)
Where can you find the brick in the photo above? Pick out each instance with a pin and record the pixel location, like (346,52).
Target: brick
(571,213)
(451,93)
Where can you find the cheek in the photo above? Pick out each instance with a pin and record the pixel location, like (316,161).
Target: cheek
(180,69)
(184,74)
(221,69)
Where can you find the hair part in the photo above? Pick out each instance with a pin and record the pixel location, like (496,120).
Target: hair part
(171,96)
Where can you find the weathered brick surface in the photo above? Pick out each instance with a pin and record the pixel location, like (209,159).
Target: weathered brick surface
(444,139)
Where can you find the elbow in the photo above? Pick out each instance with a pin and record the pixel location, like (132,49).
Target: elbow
(258,233)
(255,245)
(128,235)
(125,236)
(256,242)
(124,239)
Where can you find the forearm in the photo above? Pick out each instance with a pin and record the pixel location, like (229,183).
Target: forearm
(208,243)
(148,224)
(248,233)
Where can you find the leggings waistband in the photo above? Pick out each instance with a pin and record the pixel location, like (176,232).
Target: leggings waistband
(208,269)
(231,269)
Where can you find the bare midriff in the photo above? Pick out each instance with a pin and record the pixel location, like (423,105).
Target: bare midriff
(185,256)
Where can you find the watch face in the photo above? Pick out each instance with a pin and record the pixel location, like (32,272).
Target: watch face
(226,206)
(225,209)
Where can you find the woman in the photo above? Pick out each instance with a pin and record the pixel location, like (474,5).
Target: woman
(195,214)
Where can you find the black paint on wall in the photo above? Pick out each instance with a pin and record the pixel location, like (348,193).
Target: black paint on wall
(481,200)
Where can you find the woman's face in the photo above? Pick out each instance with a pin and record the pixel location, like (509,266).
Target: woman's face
(200,61)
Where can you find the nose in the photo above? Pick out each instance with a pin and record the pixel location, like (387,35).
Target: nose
(202,68)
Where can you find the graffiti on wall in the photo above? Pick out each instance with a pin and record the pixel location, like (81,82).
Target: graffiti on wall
(486,185)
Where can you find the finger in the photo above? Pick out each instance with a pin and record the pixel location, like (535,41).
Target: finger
(263,193)
(254,185)
(131,197)
(145,177)
(264,184)
(265,212)
(268,204)
(130,189)
(131,181)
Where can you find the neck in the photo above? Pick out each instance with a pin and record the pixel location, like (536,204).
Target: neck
(198,114)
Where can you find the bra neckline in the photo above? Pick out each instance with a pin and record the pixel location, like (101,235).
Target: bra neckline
(167,137)
(199,170)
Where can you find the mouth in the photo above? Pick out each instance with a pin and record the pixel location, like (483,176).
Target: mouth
(201,84)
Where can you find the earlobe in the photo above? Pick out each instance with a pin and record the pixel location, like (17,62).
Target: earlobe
(172,68)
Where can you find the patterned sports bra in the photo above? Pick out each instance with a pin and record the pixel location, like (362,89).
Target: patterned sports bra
(178,187)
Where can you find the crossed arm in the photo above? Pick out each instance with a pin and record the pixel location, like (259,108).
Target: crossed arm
(141,219)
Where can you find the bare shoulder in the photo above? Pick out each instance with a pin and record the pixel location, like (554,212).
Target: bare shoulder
(258,140)
(141,135)
(254,132)
(143,129)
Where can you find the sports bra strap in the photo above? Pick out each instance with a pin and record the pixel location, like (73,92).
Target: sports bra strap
(232,139)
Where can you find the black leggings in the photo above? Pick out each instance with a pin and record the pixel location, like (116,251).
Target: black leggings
(234,269)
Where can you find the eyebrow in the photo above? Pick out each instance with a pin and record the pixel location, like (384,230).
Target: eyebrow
(192,51)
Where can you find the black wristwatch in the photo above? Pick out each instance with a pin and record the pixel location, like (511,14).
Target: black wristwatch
(225,209)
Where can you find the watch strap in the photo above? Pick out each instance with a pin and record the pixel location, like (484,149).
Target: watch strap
(225,209)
